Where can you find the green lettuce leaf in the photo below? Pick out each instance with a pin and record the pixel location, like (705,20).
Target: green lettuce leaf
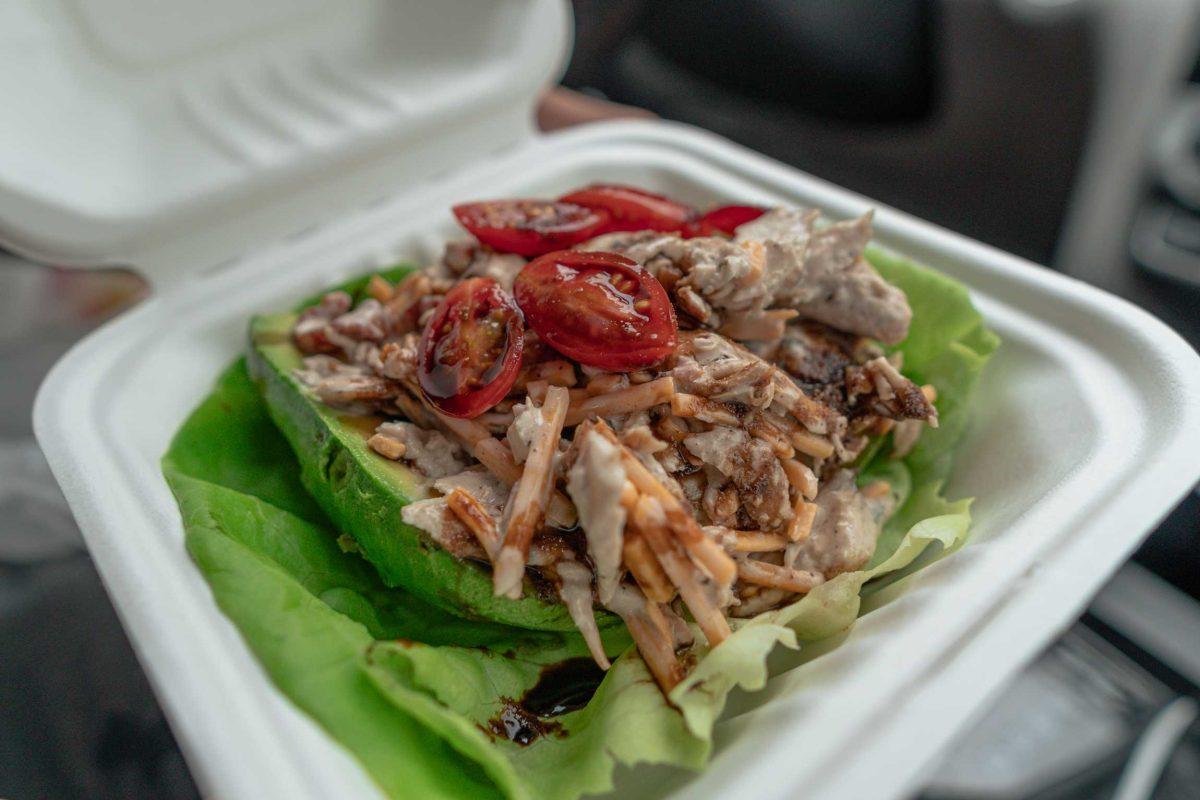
(413,692)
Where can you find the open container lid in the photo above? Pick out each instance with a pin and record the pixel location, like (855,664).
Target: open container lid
(172,136)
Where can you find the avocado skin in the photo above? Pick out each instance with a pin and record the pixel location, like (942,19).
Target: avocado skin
(363,493)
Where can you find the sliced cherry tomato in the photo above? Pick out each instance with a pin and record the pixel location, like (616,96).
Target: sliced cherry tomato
(601,309)
(531,227)
(470,351)
(633,209)
(724,219)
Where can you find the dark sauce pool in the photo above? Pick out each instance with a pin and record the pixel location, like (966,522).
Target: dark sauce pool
(562,688)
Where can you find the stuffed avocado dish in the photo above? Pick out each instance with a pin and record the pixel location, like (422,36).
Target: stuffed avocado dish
(610,427)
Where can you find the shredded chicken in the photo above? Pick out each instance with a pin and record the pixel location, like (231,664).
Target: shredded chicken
(366,323)
(352,387)
(709,365)
(712,279)
(890,394)
(844,530)
(312,329)
(480,484)
(595,483)
(749,463)
(782,225)
(784,259)
(851,375)
(821,272)
(469,259)
(717,481)
(576,590)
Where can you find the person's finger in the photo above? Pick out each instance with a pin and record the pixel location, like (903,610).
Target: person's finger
(561,107)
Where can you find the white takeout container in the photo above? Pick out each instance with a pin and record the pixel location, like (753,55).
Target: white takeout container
(226,154)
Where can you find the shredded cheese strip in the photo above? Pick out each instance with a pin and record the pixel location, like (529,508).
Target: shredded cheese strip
(756,253)
(655,612)
(672,429)
(809,413)
(528,505)
(387,447)
(800,476)
(608,382)
(760,428)
(775,576)
(491,452)
(649,520)
(803,440)
(681,632)
(495,421)
(656,651)
(642,440)
(646,570)
(379,288)
(812,445)
(758,542)
(871,425)
(691,406)
(407,292)
(468,430)
(757,599)
(800,526)
(655,648)
(555,372)
(495,455)
(475,519)
(708,553)
(537,392)
(629,495)
(623,401)
(413,410)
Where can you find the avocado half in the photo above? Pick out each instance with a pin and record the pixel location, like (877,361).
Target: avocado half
(363,493)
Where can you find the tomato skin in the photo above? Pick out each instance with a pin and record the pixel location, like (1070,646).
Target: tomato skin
(530,227)
(723,219)
(633,209)
(470,352)
(600,309)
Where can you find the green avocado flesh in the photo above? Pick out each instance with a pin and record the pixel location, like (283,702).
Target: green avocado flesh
(363,493)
